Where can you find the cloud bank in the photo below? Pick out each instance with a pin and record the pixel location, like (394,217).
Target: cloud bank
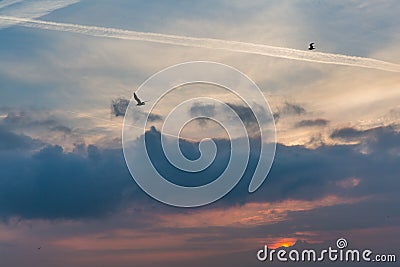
(39,180)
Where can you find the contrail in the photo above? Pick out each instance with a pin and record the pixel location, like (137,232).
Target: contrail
(5,3)
(243,47)
(29,9)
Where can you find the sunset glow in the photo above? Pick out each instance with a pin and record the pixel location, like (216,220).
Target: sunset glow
(102,165)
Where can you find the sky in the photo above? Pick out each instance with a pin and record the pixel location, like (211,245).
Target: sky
(65,186)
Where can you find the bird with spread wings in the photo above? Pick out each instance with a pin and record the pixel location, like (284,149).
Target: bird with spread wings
(139,102)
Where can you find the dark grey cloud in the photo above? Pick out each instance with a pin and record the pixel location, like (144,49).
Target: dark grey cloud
(204,110)
(312,123)
(154,117)
(382,138)
(348,134)
(119,106)
(246,114)
(12,141)
(62,128)
(288,109)
(291,108)
(52,183)
(309,174)
(33,119)
(203,121)
(276,116)
(25,118)
(351,134)
(92,182)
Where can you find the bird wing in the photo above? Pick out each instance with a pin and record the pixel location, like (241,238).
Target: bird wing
(136,98)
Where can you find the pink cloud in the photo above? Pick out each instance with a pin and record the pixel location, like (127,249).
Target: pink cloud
(349,182)
(250,214)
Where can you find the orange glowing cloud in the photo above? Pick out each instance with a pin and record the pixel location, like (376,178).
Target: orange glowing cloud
(281,242)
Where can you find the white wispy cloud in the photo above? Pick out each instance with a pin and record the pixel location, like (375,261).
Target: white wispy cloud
(251,48)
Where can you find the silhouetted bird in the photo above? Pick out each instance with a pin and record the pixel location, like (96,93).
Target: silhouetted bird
(311,47)
(39,248)
(139,102)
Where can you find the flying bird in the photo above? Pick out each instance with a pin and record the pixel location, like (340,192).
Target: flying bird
(39,248)
(311,47)
(139,102)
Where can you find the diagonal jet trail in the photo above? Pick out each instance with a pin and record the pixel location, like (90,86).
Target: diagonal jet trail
(30,9)
(6,3)
(243,47)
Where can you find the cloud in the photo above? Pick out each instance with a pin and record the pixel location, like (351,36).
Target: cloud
(48,127)
(302,173)
(292,109)
(154,117)
(62,128)
(245,114)
(249,214)
(203,112)
(90,182)
(311,194)
(349,182)
(288,109)
(348,134)
(52,183)
(33,119)
(11,141)
(119,106)
(312,123)
(199,109)
(383,139)
(276,116)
